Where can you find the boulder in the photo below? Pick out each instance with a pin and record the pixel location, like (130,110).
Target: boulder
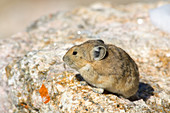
(35,79)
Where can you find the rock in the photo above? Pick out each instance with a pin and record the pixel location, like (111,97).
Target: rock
(162,23)
(35,79)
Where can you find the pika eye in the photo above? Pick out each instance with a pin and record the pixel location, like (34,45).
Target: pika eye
(74,52)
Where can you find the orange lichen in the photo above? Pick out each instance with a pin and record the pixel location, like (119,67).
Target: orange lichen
(44,94)
(24,105)
(163,60)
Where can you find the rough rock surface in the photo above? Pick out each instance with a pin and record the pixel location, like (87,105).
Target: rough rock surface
(35,79)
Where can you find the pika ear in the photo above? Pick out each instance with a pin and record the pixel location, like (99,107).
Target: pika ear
(98,52)
(100,41)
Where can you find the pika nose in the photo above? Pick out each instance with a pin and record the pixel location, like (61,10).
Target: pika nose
(65,58)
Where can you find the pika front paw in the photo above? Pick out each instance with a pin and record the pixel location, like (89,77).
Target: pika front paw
(98,90)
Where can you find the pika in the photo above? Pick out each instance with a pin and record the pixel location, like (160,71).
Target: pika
(105,66)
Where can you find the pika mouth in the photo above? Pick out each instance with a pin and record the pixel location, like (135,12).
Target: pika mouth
(71,64)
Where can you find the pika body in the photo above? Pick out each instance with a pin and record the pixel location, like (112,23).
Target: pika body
(105,66)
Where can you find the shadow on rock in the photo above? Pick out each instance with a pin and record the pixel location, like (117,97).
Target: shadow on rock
(144,92)
(79,77)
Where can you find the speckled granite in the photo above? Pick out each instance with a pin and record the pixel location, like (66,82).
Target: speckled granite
(35,79)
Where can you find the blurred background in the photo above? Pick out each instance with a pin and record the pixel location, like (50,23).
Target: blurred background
(16,15)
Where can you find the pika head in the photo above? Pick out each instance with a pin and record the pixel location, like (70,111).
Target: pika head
(104,66)
(80,55)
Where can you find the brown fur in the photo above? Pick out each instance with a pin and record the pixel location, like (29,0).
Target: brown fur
(116,71)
